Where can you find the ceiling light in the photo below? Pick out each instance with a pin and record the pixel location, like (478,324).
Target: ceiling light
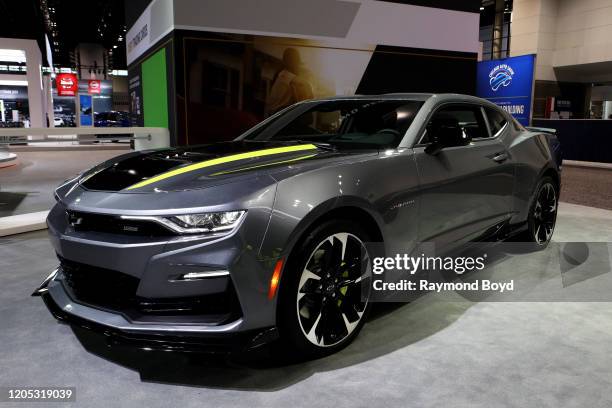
(11,82)
(7,55)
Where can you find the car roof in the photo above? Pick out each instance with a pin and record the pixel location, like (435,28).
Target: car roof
(441,97)
(390,96)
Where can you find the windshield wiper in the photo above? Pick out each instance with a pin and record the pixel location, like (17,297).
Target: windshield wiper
(320,145)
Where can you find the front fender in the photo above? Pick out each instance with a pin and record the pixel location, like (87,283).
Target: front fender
(385,187)
(292,228)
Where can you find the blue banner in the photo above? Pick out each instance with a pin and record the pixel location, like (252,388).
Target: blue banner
(508,83)
(86,110)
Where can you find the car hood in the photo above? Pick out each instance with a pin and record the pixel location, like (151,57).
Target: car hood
(186,168)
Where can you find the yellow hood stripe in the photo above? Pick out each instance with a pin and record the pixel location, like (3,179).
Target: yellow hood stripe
(222,160)
(308,156)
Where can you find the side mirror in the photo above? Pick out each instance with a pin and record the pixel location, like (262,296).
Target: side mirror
(447,136)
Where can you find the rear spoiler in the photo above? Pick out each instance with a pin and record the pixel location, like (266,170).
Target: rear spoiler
(541,129)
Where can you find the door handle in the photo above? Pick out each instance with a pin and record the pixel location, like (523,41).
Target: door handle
(500,157)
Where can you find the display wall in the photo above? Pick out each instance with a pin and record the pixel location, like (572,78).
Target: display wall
(155,89)
(227,68)
(98,97)
(233,81)
(582,139)
(13,98)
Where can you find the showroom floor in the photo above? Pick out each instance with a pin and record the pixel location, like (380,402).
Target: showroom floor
(437,351)
(587,186)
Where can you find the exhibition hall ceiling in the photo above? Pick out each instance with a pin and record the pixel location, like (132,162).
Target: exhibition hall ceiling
(95,21)
(67,23)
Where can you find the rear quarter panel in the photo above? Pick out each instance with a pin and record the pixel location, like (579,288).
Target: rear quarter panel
(533,154)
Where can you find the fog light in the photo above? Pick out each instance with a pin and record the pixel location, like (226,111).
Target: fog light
(203,275)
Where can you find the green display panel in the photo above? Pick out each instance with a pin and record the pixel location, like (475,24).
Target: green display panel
(155,90)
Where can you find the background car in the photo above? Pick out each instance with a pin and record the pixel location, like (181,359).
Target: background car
(112,119)
(267,236)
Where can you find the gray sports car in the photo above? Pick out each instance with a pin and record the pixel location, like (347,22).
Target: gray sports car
(238,243)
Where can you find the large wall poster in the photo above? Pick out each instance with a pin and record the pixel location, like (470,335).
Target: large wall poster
(135,92)
(508,83)
(233,85)
(234,81)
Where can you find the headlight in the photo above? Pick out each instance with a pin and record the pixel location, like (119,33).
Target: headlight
(196,223)
(208,222)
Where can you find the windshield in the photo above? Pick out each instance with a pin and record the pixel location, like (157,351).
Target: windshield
(351,124)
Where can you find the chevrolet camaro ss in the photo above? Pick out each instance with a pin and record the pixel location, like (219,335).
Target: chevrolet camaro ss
(236,244)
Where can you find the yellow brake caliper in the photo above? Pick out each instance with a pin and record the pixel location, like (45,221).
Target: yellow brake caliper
(343,289)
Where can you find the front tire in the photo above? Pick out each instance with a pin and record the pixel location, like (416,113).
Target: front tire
(325,290)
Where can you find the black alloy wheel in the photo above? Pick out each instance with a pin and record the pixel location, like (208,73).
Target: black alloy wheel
(543,215)
(330,290)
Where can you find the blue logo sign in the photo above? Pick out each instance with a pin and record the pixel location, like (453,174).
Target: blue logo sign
(501,75)
(508,83)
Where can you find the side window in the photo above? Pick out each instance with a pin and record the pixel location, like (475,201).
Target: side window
(496,120)
(468,117)
(517,126)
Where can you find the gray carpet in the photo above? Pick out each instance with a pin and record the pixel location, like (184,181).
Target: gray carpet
(587,186)
(439,351)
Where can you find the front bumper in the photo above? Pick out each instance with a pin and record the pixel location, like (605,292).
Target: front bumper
(134,281)
(118,329)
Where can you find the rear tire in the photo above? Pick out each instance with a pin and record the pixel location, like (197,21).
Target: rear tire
(542,214)
(321,309)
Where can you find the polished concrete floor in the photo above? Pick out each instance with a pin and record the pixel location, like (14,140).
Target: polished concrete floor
(439,351)
(28,186)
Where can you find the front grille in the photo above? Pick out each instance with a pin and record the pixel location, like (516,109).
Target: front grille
(83,221)
(101,287)
(116,291)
